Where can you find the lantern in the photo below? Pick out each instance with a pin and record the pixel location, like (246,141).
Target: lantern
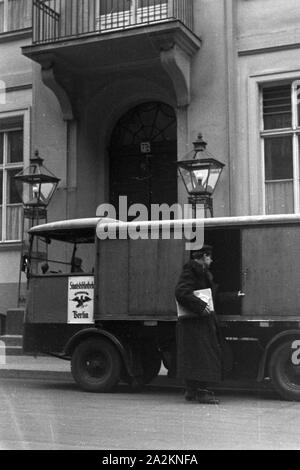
(200,173)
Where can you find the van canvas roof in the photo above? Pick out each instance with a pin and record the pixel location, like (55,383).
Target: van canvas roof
(91,223)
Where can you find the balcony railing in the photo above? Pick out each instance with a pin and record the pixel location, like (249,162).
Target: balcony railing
(55,20)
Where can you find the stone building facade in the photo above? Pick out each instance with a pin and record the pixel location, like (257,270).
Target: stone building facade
(113,77)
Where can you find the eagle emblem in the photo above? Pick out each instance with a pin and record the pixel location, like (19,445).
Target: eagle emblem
(82,298)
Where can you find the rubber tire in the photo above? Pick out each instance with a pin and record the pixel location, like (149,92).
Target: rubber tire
(279,373)
(110,357)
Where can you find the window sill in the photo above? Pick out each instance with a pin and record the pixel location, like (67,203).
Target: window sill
(15,35)
(10,246)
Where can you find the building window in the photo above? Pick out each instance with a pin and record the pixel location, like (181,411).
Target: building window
(15,15)
(122,13)
(280,135)
(11,162)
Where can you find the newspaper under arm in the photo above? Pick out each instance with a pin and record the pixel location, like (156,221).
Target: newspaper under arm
(205,295)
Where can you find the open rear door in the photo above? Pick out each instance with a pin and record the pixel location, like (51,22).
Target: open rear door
(270,267)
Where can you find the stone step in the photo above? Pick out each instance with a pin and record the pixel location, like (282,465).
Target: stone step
(12,340)
(11,345)
(13,351)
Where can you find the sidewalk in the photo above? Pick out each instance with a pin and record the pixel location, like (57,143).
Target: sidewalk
(49,368)
(52,369)
(35,367)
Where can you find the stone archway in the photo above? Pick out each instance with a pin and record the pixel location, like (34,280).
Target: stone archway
(143,152)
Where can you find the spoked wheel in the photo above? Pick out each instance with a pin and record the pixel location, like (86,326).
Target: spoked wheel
(284,373)
(96,365)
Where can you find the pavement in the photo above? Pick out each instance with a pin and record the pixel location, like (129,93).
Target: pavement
(56,415)
(50,368)
(30,367)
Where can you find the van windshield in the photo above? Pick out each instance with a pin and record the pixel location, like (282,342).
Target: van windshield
(62,252)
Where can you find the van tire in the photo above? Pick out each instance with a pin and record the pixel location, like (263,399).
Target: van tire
(96,365)
(284,375)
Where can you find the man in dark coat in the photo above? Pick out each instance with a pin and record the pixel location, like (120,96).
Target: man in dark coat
(198,339)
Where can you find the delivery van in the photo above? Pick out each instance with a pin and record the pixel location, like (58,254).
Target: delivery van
(107,303)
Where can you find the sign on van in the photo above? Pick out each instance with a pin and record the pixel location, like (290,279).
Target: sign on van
(81,299)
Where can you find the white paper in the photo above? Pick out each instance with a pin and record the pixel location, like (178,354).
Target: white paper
(206,296)
(81,299)
(203,294)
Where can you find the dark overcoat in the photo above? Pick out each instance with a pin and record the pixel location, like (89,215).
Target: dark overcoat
(198,338)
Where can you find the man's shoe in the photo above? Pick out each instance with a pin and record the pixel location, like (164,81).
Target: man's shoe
(207,398)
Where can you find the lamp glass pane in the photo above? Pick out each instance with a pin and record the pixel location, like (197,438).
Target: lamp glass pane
(46,191)
(34,194)
(187,179)
(30,193)
(213,179)
(201,178)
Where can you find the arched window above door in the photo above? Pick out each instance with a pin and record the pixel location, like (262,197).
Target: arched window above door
(143,152)
(154,122)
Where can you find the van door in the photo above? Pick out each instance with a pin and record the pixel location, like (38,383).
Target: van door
(270,270)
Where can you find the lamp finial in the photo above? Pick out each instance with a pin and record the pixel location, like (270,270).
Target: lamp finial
(200,144)
(36,159)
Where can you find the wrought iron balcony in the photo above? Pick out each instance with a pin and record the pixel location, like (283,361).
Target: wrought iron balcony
(56,20)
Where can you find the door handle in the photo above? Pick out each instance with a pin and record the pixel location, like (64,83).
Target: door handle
(244,276)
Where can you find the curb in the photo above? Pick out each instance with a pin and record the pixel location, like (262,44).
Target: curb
(63,375)
(29,374)
(35,374)
(162,381)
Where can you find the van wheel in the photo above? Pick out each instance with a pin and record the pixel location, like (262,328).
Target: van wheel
(96,365)
(284,374)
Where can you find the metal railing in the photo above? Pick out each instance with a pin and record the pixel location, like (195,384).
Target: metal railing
(55,20)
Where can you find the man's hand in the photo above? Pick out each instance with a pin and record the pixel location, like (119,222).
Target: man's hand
(207,311)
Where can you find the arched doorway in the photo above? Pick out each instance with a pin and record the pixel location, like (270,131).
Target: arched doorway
(143,152)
